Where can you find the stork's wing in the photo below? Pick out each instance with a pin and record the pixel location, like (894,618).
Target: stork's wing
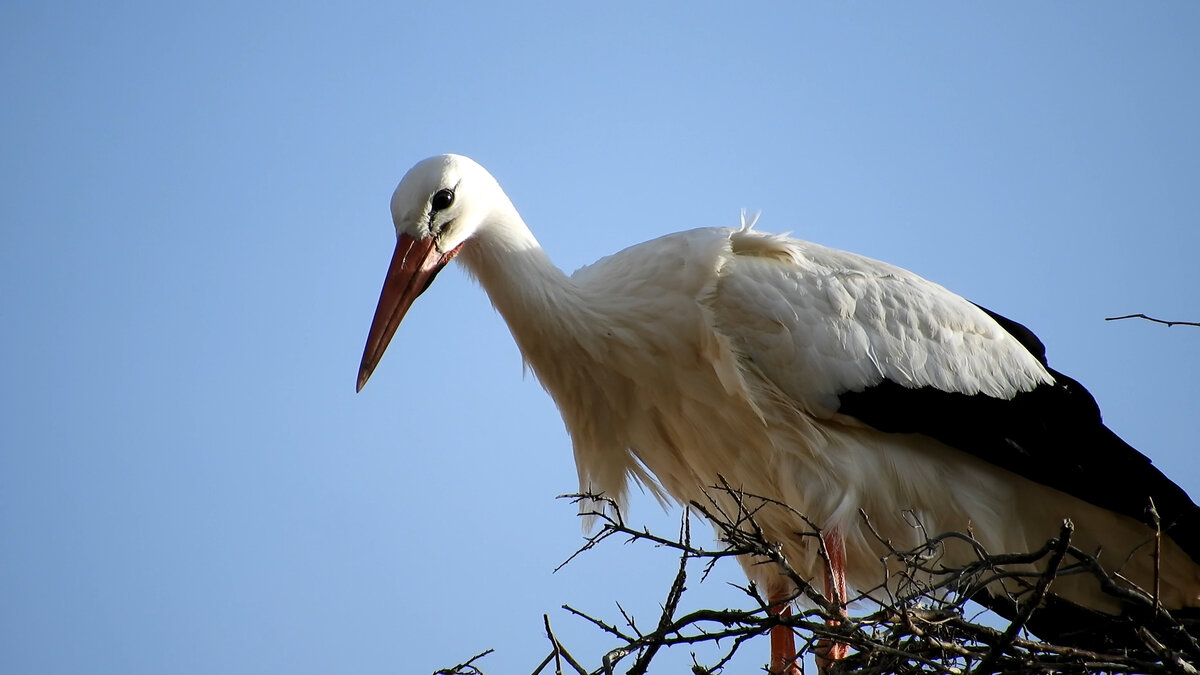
(844,335)
(820,322)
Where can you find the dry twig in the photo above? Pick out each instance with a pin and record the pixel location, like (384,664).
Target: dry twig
(923,625)
(1168,324)
(467,667)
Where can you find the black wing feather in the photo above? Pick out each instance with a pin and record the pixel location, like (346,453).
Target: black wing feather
(1052,435)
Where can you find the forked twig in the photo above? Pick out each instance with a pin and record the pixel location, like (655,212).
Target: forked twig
(922,623)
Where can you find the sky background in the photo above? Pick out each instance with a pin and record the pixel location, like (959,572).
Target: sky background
(194,228)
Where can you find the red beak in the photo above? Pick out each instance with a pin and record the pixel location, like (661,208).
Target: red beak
(414,265)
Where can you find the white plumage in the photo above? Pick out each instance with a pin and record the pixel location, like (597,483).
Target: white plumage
(729,354)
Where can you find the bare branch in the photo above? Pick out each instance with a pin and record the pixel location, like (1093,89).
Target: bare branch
(1031,603)
(1150,318)
(922,624)
(557,653)
(467,667)
(673,596)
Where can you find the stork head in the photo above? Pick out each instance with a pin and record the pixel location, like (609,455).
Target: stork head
(438,206)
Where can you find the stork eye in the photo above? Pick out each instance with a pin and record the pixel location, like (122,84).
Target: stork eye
(442,199)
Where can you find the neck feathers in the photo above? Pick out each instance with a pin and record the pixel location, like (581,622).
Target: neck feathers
(540,304)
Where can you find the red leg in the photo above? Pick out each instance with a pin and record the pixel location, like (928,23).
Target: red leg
(783,641)
(828,651)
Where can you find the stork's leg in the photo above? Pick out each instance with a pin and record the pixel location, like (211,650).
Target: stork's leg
(783,641)
(828,651)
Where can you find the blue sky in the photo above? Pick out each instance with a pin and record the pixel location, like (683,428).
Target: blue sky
(194,228)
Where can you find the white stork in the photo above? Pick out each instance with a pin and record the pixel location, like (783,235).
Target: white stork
(836,384)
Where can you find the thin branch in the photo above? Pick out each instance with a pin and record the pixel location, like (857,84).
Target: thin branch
(558,652)
(1168,324)
(468,667)
(922,623)
(1031,603)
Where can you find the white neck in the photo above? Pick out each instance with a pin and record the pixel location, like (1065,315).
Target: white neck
(561,330)
(541,305)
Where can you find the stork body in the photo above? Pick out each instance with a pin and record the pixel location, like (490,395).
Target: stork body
(833,383)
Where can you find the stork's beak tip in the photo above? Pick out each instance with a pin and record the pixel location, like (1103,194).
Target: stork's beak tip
(414,265)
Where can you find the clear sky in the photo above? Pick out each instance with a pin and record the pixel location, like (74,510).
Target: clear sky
(194,227)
